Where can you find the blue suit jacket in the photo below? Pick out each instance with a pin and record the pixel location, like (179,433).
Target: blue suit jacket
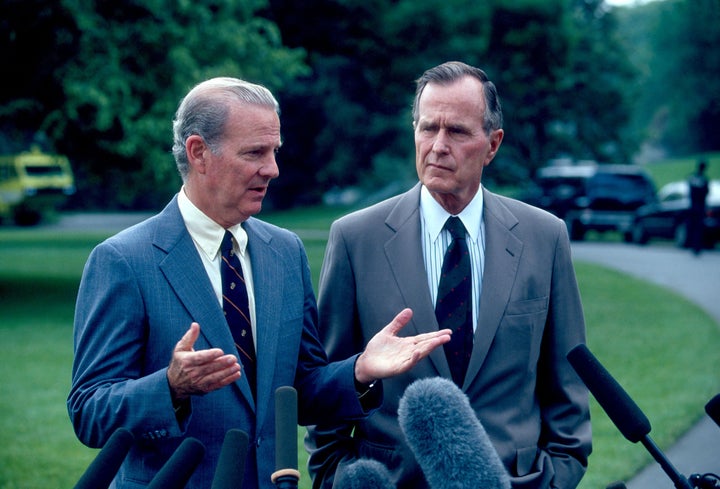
(139,293)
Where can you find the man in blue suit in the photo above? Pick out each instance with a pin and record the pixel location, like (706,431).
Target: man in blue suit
(153,350)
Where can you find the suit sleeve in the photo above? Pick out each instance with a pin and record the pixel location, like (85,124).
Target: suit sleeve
(109,387)
(566,434)
(326,390)
(332,444)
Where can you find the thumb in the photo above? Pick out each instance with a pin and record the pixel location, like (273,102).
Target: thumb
(399,321)
(187,342)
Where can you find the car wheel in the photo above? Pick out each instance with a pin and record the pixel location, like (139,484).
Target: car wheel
(681,235)
(639,234)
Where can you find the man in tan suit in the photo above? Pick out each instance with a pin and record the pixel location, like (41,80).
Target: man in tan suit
(526,310)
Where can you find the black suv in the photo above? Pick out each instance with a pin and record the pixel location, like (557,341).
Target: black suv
(594,197)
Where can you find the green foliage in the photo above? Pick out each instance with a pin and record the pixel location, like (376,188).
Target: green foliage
(128,65)
(577,78)
(673,44)
(544,56)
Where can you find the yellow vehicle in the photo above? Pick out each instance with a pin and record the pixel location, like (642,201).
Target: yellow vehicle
(33,183)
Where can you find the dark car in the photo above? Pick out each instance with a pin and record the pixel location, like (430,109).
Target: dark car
(594,197)
(667,217)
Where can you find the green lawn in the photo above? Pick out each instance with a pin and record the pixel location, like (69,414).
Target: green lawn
(640,333)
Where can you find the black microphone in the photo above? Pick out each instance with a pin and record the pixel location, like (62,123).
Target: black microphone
(363,473)
(620,408)
(103,469)
(712,408)
(180,466)
(449,442)
(286,475)
(618,405)
(230,469)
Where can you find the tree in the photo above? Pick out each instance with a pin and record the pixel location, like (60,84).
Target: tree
(127,67)
(353,112)
(673,44)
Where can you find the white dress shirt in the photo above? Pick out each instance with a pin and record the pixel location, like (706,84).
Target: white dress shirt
(207,236)
(436,241)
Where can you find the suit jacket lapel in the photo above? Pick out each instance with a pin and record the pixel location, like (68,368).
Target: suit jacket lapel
(184,271)
(407,266)
(502,257)
(268,286)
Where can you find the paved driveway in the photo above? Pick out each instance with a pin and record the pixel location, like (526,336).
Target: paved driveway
(698,279)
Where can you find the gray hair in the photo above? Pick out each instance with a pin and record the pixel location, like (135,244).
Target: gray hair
(452,71)
(204,111)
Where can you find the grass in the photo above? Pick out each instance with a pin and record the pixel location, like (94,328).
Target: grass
(650,340)
(647,337)
(680,168)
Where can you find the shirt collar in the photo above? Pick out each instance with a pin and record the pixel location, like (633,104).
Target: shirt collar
(206,233)
(435,216)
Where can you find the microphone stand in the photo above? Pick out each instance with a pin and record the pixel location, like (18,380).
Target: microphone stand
(677,478)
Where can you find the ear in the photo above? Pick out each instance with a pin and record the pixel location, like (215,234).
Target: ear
(496,138)
(196,149)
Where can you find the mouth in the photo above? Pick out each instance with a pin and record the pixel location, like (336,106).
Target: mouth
(438,166)
(260,187)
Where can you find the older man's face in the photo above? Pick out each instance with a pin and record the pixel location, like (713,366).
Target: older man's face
(451,146)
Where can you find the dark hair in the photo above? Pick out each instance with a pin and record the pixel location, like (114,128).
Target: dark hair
(452,71)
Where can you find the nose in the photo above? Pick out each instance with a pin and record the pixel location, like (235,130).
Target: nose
(440,143)
(270,168)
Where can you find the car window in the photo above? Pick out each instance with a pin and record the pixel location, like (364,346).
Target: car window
(609,184)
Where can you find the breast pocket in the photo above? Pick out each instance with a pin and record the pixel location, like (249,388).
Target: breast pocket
(521,330)
(528,306)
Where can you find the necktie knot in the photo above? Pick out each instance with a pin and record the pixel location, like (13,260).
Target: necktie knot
(455,226)
(227,243)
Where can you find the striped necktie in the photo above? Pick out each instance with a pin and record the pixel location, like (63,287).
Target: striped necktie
(236,309)
(453,307)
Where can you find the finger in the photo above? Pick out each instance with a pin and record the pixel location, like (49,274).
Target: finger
(188,340)
(222,378)
(441,335)
(399,321)
(208,360)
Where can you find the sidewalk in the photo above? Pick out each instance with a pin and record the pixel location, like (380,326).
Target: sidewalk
(698,279)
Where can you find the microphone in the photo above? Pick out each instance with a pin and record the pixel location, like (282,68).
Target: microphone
(449,442)
(180,466)
(620,408)
(286,475)
(618,405)
(712,408)
(102,470)
(363,473)
(230,469)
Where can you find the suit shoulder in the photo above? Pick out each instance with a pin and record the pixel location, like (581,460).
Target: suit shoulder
(375,213)
(524,210)
(139,233)
(268,231)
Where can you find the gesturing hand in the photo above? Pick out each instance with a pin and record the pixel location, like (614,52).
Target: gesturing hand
(199,372)
(387,354)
